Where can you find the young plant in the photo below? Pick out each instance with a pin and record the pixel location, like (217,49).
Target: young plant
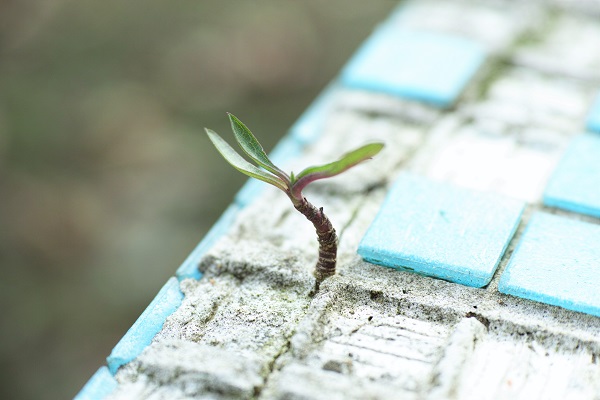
(292,185)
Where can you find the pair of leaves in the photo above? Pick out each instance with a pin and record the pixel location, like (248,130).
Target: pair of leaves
(274,175)
(254,150)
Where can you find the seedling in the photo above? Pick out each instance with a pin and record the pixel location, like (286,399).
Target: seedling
(292,185)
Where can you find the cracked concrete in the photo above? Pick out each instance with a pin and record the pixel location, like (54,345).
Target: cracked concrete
(370,332)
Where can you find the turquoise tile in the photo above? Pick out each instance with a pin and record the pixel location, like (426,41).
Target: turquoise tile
(100,385)
(309,127)
(440,230)
(141,333)
(250,191)
(418,65)
(575,184)
(556,262)
(189,268)
(593,120)
(287,149)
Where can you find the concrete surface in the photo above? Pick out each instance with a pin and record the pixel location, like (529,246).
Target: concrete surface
(250,327)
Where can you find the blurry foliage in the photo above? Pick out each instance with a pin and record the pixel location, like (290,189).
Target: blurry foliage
(102,193)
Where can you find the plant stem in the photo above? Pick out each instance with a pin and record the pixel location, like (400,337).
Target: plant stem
(328,239)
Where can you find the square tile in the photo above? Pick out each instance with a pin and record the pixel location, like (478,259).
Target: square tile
(418,65)
(441,230)
(575,184)
(557,262)
(593,119)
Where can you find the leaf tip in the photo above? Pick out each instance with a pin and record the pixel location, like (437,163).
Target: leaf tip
(210,132)
(374,149)
(232,117)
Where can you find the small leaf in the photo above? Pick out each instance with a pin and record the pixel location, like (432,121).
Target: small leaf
(239,163)
(346,162)
(253,148)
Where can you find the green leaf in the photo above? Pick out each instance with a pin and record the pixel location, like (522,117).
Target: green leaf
(346,162)
(253,148)
(239,163)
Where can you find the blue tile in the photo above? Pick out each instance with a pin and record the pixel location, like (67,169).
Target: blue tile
(250,191)
(100,385)
(441,230)
(287,148)
(309,127)
(575,184)
(418,65)
(141,333)
(557,262)
(593,120)
(189,268)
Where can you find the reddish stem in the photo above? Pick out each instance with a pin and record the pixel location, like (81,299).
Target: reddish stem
(328,239)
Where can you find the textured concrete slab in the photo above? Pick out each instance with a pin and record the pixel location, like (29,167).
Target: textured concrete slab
(517,369)
(100,385)
(492,24)
(593,120)
(441,231)
(240,316)
(521,98)
(372,349)
(383,104)
(304,382)
(425,66)
(192,370)
(575,184)
(551,48)
(398,336)
(557,262)
(481,155)
(139,336)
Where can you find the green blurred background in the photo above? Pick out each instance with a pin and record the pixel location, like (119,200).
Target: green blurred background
(107,180)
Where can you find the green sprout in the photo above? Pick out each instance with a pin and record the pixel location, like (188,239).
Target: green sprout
(292,185)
